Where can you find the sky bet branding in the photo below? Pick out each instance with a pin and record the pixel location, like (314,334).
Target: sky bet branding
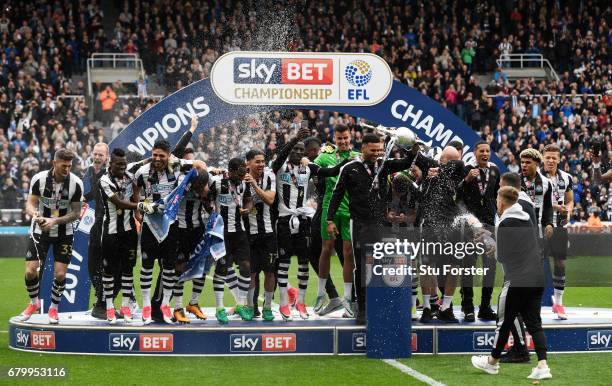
(141,342)
(281,78)
(251,343)
(359,342)
(42,340)
(599,340)
(483,341)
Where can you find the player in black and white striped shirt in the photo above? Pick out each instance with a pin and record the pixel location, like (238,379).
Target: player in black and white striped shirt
(54,203)
(156,180)
(563,206)
(293,225)
(119,235)
(262,240)
(232,200)
(191,221)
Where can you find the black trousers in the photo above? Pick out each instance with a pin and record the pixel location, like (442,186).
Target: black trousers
(467,282)
(94,260)
(523,301)
(362,234)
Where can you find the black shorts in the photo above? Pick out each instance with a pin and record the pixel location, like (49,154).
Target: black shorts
(119,251)
(557,245)
(188,240)
(263,252)
(236,248)
(290,244)
(166,250)
(38,247)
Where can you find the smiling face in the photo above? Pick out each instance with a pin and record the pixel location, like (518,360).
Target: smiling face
(256,165)
(483,154)
(342,140)
(160,159)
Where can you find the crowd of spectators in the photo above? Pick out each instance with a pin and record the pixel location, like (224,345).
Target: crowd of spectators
(437,47)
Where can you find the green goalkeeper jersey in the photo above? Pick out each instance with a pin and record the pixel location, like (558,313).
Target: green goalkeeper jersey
(328,158)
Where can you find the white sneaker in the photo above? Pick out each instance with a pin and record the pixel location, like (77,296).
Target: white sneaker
(538,373)
(482,362)
(319,303)
(333,305)
(349,312)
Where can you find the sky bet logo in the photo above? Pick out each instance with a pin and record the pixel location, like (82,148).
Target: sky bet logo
(283,71)
(485,340)
(141,342)
(359,342)
(42,340)
(262,343)
(599,340)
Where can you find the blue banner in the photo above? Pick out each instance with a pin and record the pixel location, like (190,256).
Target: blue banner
(159,222)
(208,250)
(403,107)
(76,294)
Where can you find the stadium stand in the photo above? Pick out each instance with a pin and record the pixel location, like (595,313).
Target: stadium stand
(437,48)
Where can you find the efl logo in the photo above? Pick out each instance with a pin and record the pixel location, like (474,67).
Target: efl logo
(485,341)
(283,71)
(599,340)
(141,342)
(262,343)
(358,73)
(42,340)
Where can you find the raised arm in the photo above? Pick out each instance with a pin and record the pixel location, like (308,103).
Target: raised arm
(182,143)
(284,153)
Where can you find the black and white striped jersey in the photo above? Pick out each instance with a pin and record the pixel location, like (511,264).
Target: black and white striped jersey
(228,199)
(157,185)
(191,213)
(540,192)
(561,183)
(292,187)
(259,220)
(116,220)
(55,199)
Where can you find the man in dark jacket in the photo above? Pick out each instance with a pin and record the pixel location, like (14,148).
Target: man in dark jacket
(523,283)
(518,353)
(367,205)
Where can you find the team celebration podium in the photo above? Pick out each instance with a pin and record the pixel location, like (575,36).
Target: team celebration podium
(243,83)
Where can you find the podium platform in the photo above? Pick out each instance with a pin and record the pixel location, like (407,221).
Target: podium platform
(586,330)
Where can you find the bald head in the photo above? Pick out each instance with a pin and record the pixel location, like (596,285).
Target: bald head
(449,154)
(100,155)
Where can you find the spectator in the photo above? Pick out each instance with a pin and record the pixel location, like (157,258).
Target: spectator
(107,98)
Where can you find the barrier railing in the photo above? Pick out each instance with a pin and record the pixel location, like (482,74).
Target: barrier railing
(526,61)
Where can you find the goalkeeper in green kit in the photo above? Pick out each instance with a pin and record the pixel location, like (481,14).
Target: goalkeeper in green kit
(329,157)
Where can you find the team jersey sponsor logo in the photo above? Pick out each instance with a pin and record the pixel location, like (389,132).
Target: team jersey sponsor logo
(162,188)
(262,343)
(54,203)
